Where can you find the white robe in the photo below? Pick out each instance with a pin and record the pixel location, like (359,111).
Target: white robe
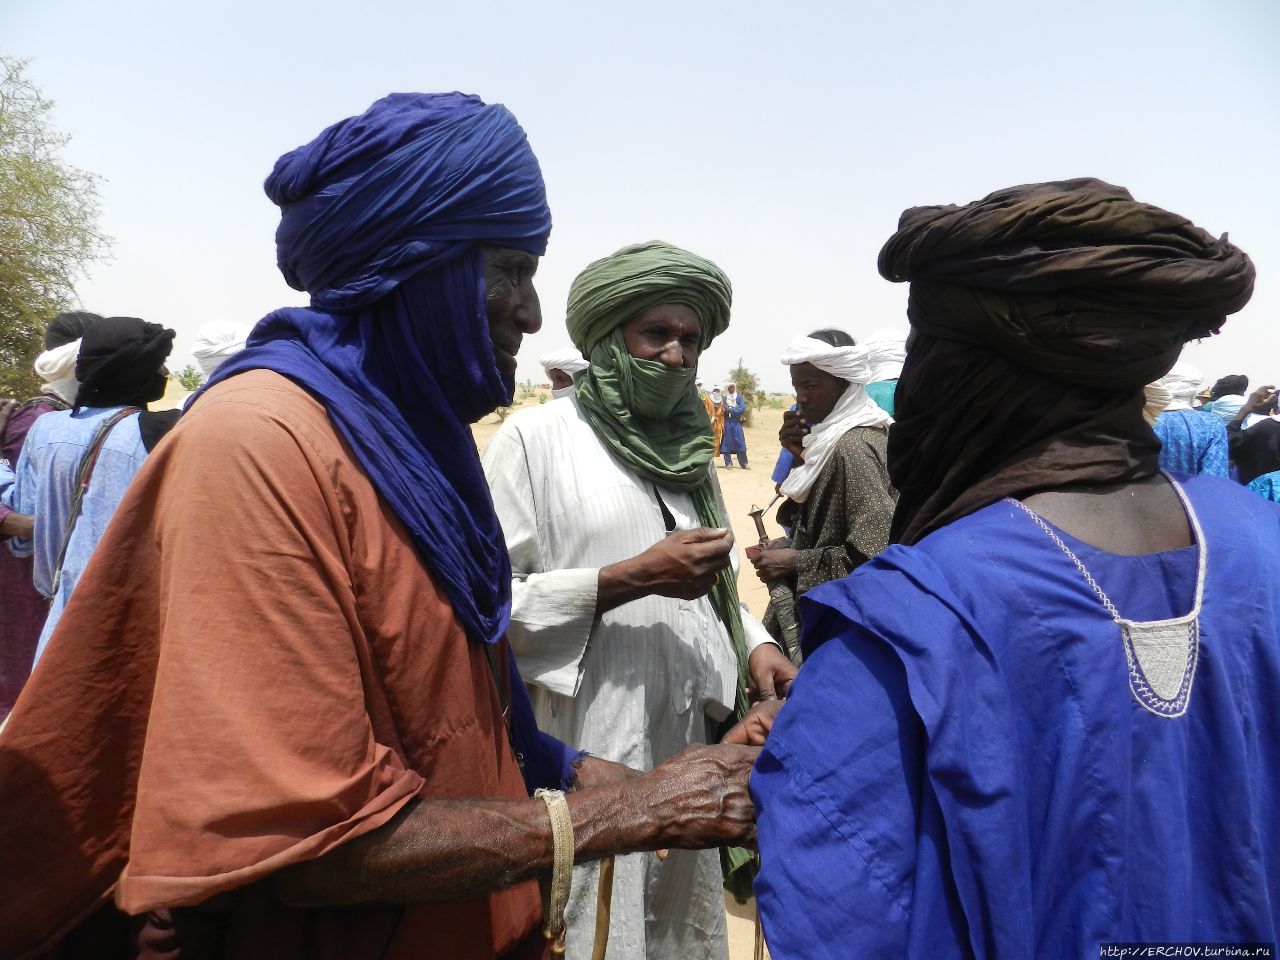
(635,685)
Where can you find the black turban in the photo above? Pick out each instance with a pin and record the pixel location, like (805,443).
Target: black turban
(1039,313)
(120,363)
(68,327)
(1230,385)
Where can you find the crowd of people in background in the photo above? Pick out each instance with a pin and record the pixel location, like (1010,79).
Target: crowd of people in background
(310,677)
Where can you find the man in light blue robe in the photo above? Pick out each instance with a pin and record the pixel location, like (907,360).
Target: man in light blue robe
(120,369)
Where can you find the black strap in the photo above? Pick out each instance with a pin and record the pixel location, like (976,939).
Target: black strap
(668,520)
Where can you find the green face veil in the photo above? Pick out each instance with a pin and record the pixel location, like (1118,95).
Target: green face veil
(650,417)
(646,413)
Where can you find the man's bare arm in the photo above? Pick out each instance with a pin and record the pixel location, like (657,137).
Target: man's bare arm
(437,850)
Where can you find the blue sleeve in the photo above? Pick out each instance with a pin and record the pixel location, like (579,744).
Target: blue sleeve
(837,792)
(545,761)
(782,469)
(1214,462)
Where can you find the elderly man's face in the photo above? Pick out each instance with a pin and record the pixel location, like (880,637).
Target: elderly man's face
(669,333)
(511,302)
(560,379)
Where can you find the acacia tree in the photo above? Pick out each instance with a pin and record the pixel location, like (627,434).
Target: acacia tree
(189,378)
(48,226)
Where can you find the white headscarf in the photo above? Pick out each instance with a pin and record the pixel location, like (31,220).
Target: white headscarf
(57,368)
(853,409)
(1183,383)
(1157,401)
(568,359)
(217,341)
(886,352)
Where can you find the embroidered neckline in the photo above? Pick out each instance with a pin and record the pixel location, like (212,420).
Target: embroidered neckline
(1161,654)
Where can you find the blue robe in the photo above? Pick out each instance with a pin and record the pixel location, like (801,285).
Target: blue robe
(1267,486)
(962,771)
(1192,441)
(733,440)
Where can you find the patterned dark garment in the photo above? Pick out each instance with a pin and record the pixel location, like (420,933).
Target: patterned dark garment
(845,520)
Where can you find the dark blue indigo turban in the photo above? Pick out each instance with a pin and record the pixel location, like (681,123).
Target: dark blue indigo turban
(383,218)
(409,185)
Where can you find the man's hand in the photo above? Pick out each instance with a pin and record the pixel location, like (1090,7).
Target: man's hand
(683,564)
(699,797)
(775,564)
(753,729)
(792,434)
(18,525)
(771,672)
(1261,399)
(596,772)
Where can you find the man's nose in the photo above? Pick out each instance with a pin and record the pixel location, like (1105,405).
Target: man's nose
(529,316)
(672,355)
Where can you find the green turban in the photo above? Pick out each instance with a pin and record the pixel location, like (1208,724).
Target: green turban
(614,289)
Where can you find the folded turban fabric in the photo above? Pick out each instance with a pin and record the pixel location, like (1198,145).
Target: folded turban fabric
(1156,401)
(853,409)
(1182,383)
(121,361)
(886,352)
(66,327)
(569,360)
(614,289)
(217,341)
(1040,313)
(382,221)
(57,368)
(408,185)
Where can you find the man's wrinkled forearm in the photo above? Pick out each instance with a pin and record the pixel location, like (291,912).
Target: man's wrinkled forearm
(438,850)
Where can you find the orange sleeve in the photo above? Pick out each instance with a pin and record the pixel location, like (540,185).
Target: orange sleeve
(260,752)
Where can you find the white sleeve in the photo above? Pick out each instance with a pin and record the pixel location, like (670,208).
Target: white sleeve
(552,611)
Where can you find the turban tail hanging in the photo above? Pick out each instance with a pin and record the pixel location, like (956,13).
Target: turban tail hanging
(1040,313)
(670,449)
(383,218)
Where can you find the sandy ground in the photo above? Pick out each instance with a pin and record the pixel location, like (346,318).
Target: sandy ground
(743,489)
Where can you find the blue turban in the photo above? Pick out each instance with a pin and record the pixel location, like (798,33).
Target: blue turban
(383,217)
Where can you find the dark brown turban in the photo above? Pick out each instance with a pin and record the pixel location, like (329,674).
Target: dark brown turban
(1039,313)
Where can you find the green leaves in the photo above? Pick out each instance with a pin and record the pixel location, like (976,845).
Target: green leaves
(48,226)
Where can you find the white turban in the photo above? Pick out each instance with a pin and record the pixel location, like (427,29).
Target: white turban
(886,352)
(568,359)
(57,368)
(853,409)
(1157,401)
(1183,383)
(217,341)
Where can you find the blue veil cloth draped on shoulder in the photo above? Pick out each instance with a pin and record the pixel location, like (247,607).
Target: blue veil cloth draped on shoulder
(383,218)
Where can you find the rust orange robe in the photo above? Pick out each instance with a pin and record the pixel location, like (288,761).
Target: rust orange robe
(255,669)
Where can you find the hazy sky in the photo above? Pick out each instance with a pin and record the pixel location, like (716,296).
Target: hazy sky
(780,140)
